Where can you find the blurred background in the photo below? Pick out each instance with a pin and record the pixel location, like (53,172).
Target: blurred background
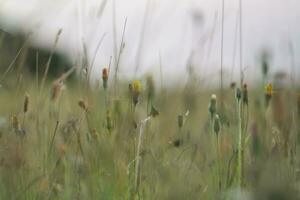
(172,36)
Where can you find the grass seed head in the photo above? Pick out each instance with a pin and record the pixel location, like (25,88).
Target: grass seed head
(57,88)
(26,103)
(245,94)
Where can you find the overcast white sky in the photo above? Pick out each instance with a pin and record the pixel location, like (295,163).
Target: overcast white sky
(170,31)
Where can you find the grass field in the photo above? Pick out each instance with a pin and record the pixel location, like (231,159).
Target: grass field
(67,140)
(64,137)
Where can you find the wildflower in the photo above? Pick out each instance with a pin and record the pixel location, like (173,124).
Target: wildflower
(135,88)
(212,105)
(217,124)
(26,103)
(269,90)
(105,77)
(268,93)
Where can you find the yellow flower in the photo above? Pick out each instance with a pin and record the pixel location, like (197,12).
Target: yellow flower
(269,89)
(136,86)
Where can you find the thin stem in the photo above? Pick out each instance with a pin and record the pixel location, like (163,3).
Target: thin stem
(241,43)
(119,55)
(14,60)
(222,52)
(141,40)
(94,57)
(138,157)
(160,70)
(218,162)
(53,137)
(50,58)
(240,145)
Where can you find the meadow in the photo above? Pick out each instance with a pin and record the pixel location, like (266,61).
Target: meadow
(68,136)
(64,138)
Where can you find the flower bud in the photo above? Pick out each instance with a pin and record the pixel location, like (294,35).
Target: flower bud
(105,77)
(212,105)
(245,94)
